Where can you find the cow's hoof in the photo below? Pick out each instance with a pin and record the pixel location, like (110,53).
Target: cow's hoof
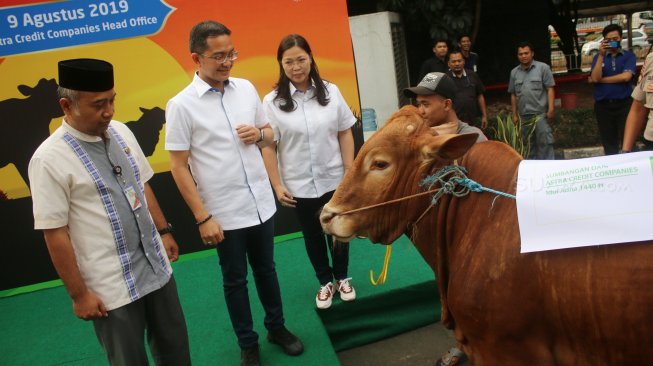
(454,357)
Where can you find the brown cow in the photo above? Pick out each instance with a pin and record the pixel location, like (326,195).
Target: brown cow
(582,306)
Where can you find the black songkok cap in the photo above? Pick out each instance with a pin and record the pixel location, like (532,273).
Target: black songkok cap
(86,74)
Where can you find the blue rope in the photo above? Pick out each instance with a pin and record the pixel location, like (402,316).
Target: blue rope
(476,187)
(451,178)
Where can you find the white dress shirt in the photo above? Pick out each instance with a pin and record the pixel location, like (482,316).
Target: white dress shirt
(231,177)
(308,149)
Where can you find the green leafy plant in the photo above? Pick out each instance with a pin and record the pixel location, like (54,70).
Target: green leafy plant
(511,134)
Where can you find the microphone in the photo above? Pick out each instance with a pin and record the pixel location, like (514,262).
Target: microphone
(117,170)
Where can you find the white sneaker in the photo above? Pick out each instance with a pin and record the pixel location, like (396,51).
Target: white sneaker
(324,296)
(347,292)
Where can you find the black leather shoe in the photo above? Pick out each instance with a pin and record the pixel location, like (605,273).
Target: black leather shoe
(249,356)
(289,342)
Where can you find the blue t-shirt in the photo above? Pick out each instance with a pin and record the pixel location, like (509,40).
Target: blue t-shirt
(624,61)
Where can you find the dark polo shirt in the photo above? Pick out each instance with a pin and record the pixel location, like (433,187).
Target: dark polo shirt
(433,64)
(465,101)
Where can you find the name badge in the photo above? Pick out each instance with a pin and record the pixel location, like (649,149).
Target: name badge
(134,202)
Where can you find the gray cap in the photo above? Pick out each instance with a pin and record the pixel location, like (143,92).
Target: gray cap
(433,83)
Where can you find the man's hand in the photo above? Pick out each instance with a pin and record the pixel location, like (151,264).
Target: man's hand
(484,122)
(284,196)
(515,119)
(88,306)
(604,47)
(550,114)
(172,249)
(211,232)
(248,134)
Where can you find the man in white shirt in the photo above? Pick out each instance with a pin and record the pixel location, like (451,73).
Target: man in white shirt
(213,126)
(100,220)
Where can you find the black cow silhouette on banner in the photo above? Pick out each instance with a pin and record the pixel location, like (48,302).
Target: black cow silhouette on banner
(147,128)
(25,123)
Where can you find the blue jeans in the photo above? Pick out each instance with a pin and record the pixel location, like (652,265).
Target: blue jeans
(317,245)
(255,244)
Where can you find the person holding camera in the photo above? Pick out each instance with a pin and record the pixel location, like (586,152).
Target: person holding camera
(612,70)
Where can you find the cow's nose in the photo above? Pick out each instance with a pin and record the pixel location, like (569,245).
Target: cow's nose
(326,215)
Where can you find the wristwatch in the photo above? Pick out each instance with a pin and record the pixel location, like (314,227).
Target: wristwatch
(166,230)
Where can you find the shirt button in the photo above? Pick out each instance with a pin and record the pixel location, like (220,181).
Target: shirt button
(142,235)
(137,216)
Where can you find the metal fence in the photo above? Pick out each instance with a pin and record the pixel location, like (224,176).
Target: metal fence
(559,61)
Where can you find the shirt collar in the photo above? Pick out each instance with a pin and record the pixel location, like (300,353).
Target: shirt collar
(532,65)
(293,89)
(202,87)
(81,135)
(464,74)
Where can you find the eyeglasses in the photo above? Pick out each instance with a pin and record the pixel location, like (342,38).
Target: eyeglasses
(300,61)
(222,58)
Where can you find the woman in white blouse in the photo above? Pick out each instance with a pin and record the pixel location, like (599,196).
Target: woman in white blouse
(313,147)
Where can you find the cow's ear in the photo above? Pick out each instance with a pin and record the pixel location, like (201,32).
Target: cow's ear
(25,90)
(143,110)
(448,147)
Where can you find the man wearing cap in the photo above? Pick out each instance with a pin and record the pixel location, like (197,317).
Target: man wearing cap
(212,131)
(531,96)
(433,96)
(103,227)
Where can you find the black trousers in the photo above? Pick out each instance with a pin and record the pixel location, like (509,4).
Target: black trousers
(317,244)
(611,118)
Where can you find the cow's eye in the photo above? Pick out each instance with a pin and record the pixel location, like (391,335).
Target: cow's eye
(379,165)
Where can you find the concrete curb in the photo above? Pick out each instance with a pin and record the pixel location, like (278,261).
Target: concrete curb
(579,152)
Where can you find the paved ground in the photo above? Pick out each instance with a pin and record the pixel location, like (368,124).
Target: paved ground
(420,347)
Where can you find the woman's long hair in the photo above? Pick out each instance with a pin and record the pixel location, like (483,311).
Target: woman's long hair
(283,84)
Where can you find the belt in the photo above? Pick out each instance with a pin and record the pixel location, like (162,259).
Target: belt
(608,101)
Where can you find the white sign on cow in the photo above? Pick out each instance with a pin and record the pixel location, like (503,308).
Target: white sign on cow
(583,202)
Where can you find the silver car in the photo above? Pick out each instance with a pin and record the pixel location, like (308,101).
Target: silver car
(640,40)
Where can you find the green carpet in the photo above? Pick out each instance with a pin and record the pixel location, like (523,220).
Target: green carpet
(374,318)
(39,328)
